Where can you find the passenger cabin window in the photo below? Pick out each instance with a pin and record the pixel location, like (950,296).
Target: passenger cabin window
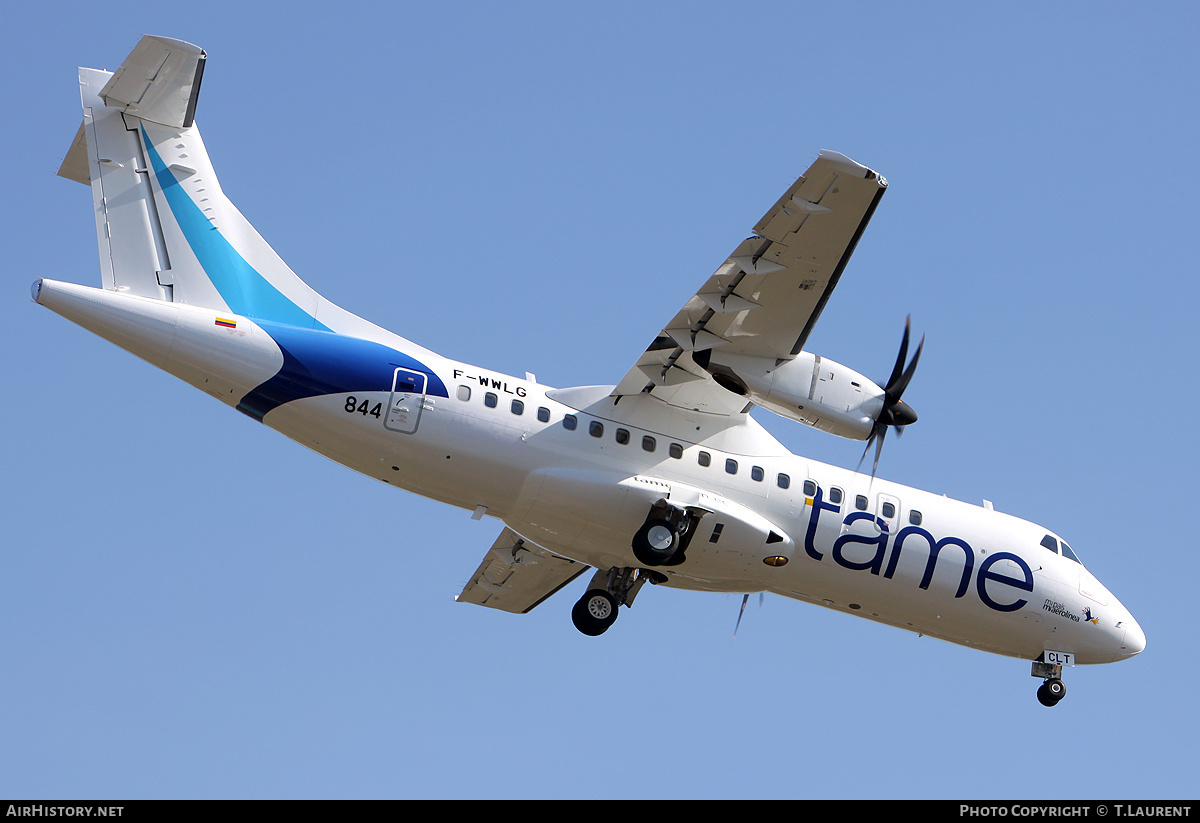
(570,422)
(490,400)
(675,450)
(518,407)
(623,436)
(463,393)
(543,414)
(860,502)
(596,428)
(648,443)
(704,459)
(783,481)
(914,517)
(756,473)
(810,488)
(731,466)
(888,510)
(835,496)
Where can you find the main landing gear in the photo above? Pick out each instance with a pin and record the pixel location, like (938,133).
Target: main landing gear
(595,612)
(1052,689)
(608,590)
(665,535)
(660,541)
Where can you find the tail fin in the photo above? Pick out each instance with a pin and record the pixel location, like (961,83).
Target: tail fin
(164,227)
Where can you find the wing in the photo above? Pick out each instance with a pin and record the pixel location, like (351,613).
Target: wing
(764,300)
(515,575)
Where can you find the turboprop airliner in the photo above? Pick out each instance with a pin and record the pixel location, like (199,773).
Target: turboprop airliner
(663,478)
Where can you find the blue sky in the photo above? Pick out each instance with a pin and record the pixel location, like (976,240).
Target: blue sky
(196,607)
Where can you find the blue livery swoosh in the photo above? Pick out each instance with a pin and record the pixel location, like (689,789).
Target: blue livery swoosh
(322,362)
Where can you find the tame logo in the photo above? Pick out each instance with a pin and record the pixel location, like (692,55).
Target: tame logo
(992,586)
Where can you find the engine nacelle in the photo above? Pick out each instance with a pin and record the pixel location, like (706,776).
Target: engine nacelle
(813,390)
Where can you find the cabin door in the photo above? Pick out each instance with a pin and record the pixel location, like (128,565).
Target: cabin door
(407,401)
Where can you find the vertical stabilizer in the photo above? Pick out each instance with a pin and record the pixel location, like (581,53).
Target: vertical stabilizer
(165,228)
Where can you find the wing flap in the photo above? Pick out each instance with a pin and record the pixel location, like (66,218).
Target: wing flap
(515,575)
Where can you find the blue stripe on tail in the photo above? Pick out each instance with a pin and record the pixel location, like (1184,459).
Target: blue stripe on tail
(240,285)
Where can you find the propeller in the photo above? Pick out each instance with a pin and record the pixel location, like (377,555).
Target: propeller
(743,611)
(895,411)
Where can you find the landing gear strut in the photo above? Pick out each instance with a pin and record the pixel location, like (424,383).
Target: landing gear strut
(597,609)
(1052,689)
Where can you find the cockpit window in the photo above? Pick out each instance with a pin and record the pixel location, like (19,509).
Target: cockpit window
(1055,545)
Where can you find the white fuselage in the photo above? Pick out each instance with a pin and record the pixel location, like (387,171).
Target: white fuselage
(773,521)
(989,585)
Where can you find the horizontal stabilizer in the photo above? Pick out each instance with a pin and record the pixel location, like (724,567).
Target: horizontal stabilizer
(75,164)
(159,81)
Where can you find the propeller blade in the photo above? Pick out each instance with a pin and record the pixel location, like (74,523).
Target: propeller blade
(870,440)
(878,451)
(898,388)
(740,613)
(745,599)
(898,369)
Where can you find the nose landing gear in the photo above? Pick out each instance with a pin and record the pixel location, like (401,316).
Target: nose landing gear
(1050,692)
(1052,689)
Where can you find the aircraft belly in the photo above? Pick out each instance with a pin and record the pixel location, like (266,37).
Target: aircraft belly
(438,460)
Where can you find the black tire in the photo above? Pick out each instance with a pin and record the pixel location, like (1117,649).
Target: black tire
(1044,697)
(594,612)
(1050,692)
(655,543)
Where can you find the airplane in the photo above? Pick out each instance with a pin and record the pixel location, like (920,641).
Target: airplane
(664,477)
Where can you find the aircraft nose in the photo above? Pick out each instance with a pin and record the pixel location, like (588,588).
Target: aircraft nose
(1134,641)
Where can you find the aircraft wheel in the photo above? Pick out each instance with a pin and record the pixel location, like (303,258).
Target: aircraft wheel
(655,542)
(594,612)
(1052,691)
